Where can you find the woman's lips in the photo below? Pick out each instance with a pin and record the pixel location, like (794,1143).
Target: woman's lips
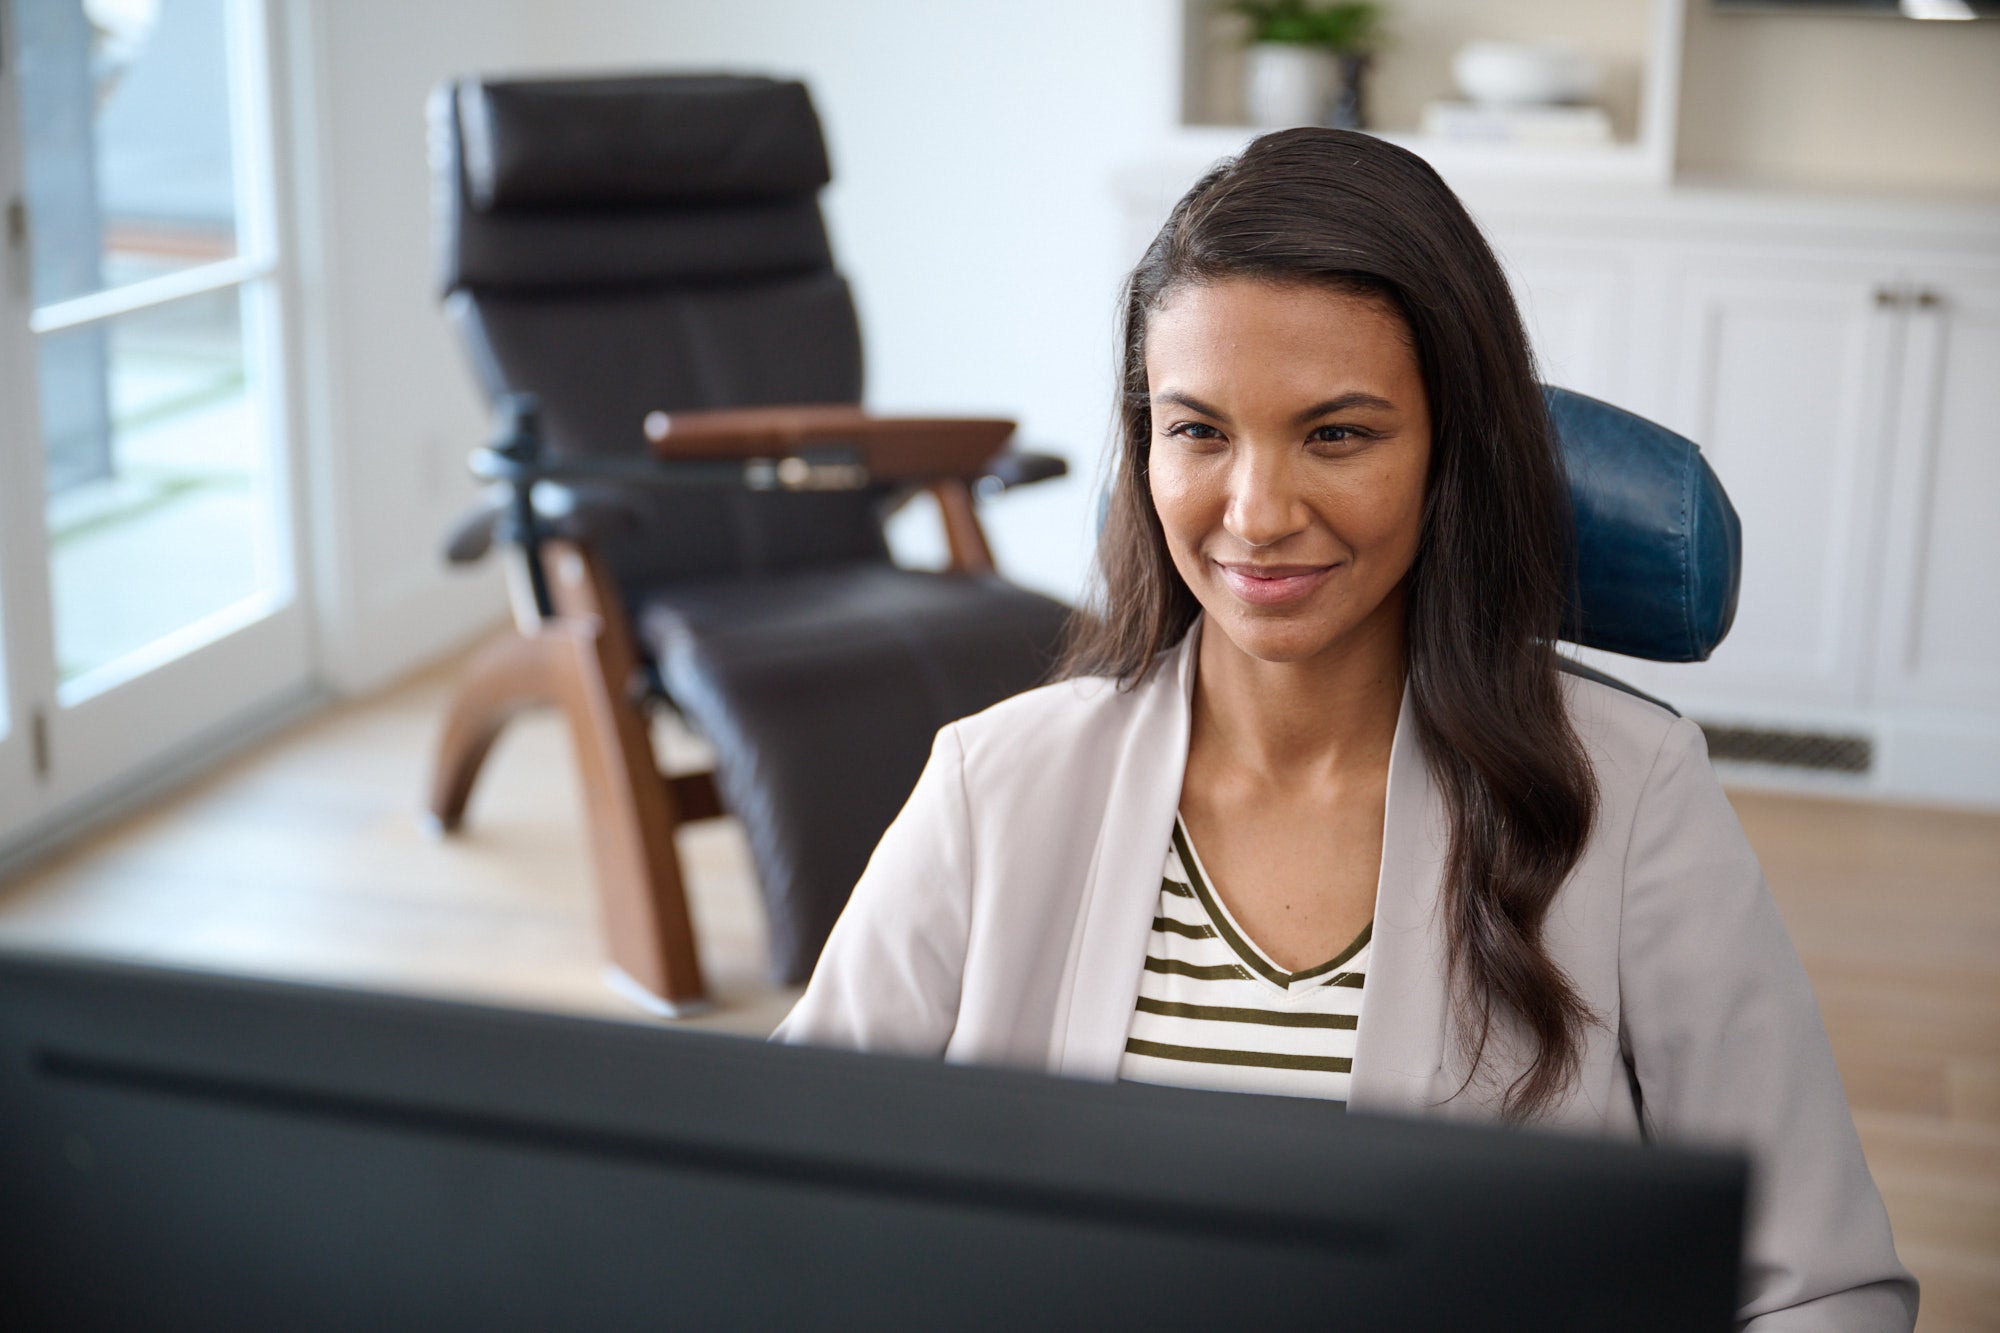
(1273,585)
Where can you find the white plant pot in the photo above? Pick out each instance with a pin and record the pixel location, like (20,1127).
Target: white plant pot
(1288,85)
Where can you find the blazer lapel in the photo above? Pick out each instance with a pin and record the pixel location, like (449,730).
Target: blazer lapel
(1122,889)
(1399,1047)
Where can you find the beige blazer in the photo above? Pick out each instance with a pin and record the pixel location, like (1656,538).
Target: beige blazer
(1004,917)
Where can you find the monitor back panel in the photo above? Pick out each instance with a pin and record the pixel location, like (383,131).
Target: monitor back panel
(184,1151)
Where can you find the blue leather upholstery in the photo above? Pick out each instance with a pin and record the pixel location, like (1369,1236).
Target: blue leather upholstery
(1659,550)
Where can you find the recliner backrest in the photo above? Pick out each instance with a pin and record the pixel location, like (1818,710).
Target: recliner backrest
(616,246)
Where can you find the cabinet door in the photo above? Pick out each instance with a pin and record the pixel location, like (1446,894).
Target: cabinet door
(1779,368)
(1940,640)
(1576,306)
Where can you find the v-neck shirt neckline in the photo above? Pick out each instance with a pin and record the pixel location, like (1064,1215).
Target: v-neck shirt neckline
(1254,959)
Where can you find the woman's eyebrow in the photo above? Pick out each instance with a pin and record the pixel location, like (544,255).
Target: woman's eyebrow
(1190,402)
(1345,402)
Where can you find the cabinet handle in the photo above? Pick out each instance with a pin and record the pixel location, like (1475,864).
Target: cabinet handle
(1890,297)
(1928,300)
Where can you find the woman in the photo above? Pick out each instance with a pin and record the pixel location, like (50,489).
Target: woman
(1409,865)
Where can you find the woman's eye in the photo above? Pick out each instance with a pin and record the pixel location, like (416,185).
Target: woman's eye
(1332,435)
(1194,430)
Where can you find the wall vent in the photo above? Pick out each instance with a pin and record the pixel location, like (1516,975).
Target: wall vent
(1793,749)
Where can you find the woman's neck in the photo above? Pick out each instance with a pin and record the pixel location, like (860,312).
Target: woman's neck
(1284,723)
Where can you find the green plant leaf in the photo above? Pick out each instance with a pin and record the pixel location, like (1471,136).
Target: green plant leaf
(1341,27)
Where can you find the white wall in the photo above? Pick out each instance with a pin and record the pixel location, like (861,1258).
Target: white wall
(1841,101)
(391,407)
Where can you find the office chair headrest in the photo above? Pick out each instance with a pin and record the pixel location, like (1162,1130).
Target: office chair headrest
(565,143)
(1659,549)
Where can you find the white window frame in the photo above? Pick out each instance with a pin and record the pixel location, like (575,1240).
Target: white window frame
(72,752)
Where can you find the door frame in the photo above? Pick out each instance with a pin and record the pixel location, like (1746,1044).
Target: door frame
(65,761)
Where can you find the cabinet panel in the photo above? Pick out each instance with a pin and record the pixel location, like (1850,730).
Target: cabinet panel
(1780,373)
(1941,609)
(1577,311)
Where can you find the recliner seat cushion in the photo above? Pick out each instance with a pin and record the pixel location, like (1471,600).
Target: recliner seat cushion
(821,693)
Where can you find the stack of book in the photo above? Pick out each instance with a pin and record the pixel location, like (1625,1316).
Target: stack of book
(1539,125)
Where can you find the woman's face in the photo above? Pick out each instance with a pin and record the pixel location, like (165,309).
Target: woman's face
(1291,440)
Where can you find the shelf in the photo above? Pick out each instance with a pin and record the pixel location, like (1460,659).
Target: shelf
(1637,42)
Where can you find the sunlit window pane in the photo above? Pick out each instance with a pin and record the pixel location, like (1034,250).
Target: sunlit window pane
(131,153)
(162,518)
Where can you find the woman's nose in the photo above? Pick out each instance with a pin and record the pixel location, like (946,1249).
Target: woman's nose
(1265,506)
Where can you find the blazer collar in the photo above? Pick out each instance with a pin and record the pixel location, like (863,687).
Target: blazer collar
(1108,950)
(1399,1046)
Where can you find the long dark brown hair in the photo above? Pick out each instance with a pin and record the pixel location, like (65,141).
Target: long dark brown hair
(1486,593)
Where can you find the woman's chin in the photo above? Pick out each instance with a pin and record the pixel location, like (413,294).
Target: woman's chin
(1270,637)
(1320,630)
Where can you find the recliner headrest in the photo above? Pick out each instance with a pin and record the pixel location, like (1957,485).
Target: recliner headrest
(623,185)
(558,143)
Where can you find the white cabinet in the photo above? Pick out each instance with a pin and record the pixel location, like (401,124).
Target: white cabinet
(1782,370)
(1575,305)
(1940,642)
(1841,373)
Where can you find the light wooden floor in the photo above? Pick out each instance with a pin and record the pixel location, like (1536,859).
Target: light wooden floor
(305,859)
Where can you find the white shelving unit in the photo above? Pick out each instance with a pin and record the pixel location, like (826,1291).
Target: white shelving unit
(1211,121)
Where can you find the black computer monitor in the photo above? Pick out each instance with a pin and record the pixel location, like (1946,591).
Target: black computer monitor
(180,1150)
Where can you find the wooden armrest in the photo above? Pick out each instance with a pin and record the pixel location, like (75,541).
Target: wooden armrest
(895,449)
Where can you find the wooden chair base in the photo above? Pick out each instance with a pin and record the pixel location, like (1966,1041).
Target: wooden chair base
(582,661)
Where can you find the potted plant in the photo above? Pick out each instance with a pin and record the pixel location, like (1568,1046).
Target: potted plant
(1300,54)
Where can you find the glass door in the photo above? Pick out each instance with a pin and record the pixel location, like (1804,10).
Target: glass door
(147,559)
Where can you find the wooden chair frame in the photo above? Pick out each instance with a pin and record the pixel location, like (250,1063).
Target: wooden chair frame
(582,658)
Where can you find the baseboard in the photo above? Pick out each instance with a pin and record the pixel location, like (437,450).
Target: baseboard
(152,782)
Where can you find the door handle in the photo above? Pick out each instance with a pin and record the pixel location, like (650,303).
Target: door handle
(20,278)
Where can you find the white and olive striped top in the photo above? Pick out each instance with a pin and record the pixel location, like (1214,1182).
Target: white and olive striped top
(1215,1012)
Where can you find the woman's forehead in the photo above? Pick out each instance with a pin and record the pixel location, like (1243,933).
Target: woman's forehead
(1273,333)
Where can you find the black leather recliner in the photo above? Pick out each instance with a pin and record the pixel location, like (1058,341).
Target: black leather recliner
(650,250)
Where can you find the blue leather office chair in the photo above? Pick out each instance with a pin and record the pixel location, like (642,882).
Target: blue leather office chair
(1659,550)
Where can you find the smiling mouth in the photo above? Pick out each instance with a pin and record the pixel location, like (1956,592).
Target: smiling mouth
(1272,585)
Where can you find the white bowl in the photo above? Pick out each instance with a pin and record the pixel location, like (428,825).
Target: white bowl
(1523,73)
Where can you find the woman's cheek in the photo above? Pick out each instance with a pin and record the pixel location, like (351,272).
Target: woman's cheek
(1174,500)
